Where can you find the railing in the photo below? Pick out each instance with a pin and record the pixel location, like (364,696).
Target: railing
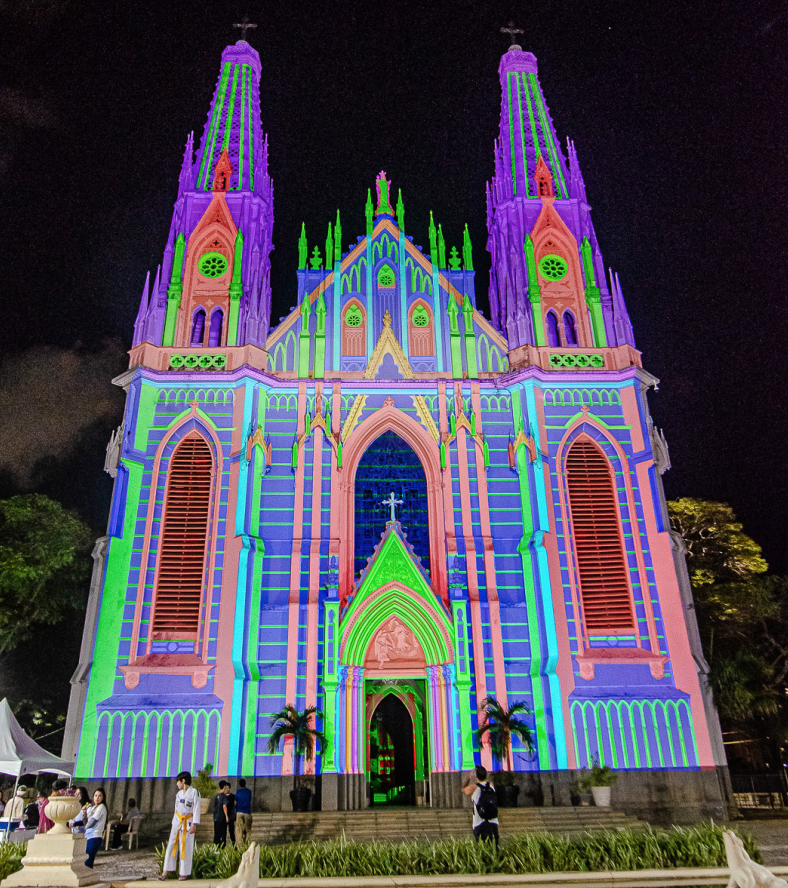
(760,790)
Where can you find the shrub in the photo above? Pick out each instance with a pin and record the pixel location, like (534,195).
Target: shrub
(10,859)
(700,846)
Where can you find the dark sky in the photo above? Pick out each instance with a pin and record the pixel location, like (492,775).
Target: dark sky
(677,110)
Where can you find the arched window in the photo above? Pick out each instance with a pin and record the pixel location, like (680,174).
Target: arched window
(386,277)
(354,330)
(601,564)
(215,331)
(570,329)
(390,464)
(551,328)
(420,333)
(198,327)
(184,541)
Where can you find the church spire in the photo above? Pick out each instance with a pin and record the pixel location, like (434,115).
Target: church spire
(233,123)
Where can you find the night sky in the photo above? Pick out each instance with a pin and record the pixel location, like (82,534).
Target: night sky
(677,110)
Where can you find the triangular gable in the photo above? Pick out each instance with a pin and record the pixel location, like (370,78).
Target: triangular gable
(393,559)
(388,344)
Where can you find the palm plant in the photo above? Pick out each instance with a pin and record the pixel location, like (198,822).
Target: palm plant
(300,726)
(500,723)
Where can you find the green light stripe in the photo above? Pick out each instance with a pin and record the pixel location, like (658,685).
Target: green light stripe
(534,131)
(522,139)
(241,114)
(211,141)
(559,176)
(228,120)
(511,129)
(250,120)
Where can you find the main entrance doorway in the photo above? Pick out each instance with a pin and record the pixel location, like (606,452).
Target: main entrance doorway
(396,745)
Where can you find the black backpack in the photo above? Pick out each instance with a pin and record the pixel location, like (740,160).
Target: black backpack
(487,806)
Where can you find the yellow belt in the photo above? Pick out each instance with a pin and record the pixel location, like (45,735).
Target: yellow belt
(183,827)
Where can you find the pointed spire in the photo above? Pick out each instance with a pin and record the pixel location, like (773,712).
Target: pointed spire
(369,213)
(577,186)
(329,247)
(467,251)
(433,241)
(400,212)
(302,247)
(543,179)
(338,240)
(186,178)
(223,173)
(441,249)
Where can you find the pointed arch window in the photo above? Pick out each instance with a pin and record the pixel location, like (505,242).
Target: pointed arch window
(215,331)
(551,328)
(421,334)
(198,328)
(599,551)
(184,541)
(570,328)
(354,329)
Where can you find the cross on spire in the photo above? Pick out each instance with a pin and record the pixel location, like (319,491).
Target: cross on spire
(392,503)
(245,25)
(511,31)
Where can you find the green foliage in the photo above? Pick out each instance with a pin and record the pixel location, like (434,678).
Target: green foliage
(204,783)
(500,723)
(44,565)
(11,859)
(700,846)
(596,775)
(289,722)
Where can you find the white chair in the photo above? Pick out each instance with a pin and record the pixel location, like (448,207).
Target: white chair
(133,831)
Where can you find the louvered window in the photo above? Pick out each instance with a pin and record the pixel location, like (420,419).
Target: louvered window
(184,541)
(601,564)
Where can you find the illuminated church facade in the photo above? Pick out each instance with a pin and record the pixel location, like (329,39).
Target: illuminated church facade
(256,557)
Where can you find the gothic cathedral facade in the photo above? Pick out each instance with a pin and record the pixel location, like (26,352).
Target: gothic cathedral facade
(389,506)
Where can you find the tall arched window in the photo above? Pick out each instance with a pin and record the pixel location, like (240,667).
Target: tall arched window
(184,541)
(354,330)
(601,564)
(198,327)
(570,329)
(215,331)
(420,332)
(551,328)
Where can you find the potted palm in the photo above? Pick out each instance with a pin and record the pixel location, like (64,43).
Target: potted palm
(598,780)
(206,786)
(300,726)
(499,724)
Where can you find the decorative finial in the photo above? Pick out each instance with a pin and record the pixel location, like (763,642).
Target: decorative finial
(511,31)
(383,186)
(392,503)
(244,26)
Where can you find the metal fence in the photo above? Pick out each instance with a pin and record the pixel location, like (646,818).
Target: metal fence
(764,790)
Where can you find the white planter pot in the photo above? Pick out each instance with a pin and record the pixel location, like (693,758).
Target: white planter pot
(601,796)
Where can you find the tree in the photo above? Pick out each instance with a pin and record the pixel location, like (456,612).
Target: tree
(300,726)
(44,565)
(500,724)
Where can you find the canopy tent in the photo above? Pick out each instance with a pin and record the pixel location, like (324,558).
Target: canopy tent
(20,754)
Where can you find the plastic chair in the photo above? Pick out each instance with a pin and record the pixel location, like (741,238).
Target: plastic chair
(133,831)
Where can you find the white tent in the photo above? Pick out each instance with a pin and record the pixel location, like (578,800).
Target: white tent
(20,754)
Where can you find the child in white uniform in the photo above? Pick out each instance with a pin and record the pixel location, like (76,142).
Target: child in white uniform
(184,826)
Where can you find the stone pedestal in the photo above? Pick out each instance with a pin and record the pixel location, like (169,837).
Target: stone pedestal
(56,858)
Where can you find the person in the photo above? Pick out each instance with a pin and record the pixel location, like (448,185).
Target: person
(123,827)
(78,829)
(95,819)
(185,821)
(243,812)
(30,819)
(2,804)
(15,809)
(44,823)
(223,814)
(485,807)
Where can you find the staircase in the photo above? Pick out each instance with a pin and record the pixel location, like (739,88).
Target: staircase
(402,824)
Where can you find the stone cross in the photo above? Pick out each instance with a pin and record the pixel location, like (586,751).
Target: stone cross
(245,25)
(392,503)
(511,31)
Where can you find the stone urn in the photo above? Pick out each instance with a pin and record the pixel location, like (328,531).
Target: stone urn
(61,809)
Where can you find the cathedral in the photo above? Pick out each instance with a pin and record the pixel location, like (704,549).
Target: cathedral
(389,506)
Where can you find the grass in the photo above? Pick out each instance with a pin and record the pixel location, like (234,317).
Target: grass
(10,859)
(700,846)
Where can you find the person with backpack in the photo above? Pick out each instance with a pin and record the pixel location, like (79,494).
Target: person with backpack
(485,807)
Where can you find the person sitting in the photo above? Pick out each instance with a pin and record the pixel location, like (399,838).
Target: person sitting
(30,818)
(123,827)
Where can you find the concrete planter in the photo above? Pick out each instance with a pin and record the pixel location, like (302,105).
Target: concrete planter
(601,796)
